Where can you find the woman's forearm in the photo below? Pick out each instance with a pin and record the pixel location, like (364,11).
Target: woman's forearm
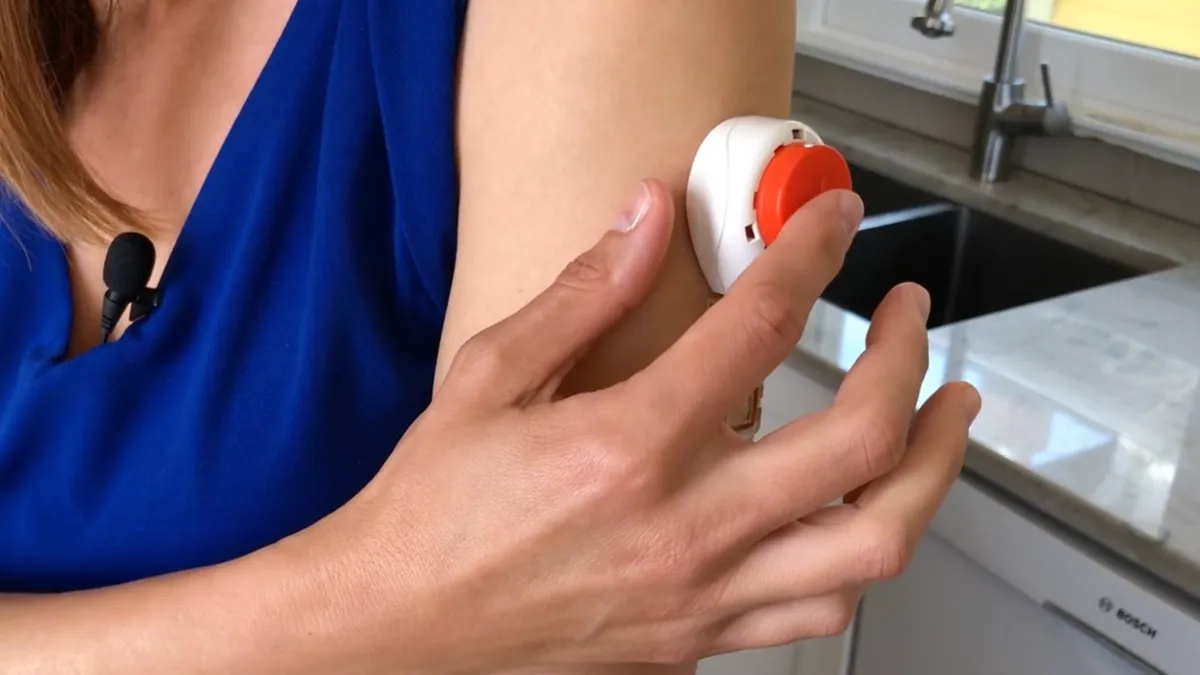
(260,614)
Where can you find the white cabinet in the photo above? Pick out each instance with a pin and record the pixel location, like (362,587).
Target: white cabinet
(949,616)
(992,591)
(778,661)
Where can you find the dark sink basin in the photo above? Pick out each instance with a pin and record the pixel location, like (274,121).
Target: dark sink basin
(972,264)
(882,195)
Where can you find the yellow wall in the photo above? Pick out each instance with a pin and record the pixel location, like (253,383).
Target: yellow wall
(1173,25)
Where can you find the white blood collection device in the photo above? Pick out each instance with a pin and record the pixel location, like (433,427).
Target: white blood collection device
(750,175)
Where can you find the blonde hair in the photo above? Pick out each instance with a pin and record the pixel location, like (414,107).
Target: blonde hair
(44,44)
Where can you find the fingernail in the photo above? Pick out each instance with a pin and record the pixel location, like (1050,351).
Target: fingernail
(851,207)
(635,210)
(972,402)
(921,297)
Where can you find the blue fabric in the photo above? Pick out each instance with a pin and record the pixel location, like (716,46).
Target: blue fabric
(298,332)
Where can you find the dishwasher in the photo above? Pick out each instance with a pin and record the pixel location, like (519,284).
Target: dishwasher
(991,591)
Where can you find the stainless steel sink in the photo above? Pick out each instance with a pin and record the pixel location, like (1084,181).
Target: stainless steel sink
(971,263)
(882,195)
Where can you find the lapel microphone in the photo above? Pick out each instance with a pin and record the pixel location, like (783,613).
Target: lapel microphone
(127,269)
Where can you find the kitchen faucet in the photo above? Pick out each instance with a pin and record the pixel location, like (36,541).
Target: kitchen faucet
(937,21)
(1003,114)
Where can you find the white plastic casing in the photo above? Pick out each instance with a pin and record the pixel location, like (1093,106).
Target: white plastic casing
(721,187)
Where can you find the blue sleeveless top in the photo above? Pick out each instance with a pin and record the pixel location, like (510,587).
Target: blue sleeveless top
(296,340)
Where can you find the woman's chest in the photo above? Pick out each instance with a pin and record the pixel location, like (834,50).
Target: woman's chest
(296,336)
(293,346)
(149,116)
(211,430)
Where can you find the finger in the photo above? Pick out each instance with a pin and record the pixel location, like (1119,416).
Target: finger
(784,623)
(809,558)
(885,382)
(937,444)
(855,388)
(741,339)
(819,458)
(530,352)
(872,539)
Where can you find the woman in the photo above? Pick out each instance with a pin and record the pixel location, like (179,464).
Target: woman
(341,193)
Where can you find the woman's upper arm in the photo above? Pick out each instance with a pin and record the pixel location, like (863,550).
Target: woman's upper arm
(563,107)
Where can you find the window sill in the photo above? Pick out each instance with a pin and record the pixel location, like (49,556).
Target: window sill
(1107,227)
(1172,141)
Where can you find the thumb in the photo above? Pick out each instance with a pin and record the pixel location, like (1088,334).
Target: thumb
(525,357)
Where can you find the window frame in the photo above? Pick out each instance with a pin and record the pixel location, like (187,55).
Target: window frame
(1136,97)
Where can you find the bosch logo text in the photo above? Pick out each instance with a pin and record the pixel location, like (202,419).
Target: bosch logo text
(1128,618)
(1137,624)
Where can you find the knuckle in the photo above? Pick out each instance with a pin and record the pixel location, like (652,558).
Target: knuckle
(685,646)
(587,272)
(613,468)
(834,619)
(771,320)
(609,469)
(887,552)
(677,564)
(481,358)
(591,273)
(876,445)
(668,560)
(668,563)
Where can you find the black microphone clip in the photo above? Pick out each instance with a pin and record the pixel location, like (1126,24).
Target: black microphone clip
(127,269)
(146,302)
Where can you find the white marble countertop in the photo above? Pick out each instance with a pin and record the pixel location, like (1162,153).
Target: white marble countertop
(1092,400)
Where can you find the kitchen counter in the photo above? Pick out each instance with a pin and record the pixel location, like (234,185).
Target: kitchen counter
(1091,412)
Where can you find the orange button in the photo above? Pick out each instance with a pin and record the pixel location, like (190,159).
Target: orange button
(796,174)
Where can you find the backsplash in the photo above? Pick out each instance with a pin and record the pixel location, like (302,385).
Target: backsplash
(1089,164)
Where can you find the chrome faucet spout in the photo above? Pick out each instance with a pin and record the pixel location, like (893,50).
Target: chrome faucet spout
(1003,114)
(1010,41)
(938,19)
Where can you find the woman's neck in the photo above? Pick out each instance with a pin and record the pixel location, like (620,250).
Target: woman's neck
(137,13)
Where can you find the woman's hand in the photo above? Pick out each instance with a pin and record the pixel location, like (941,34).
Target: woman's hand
(513,528)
